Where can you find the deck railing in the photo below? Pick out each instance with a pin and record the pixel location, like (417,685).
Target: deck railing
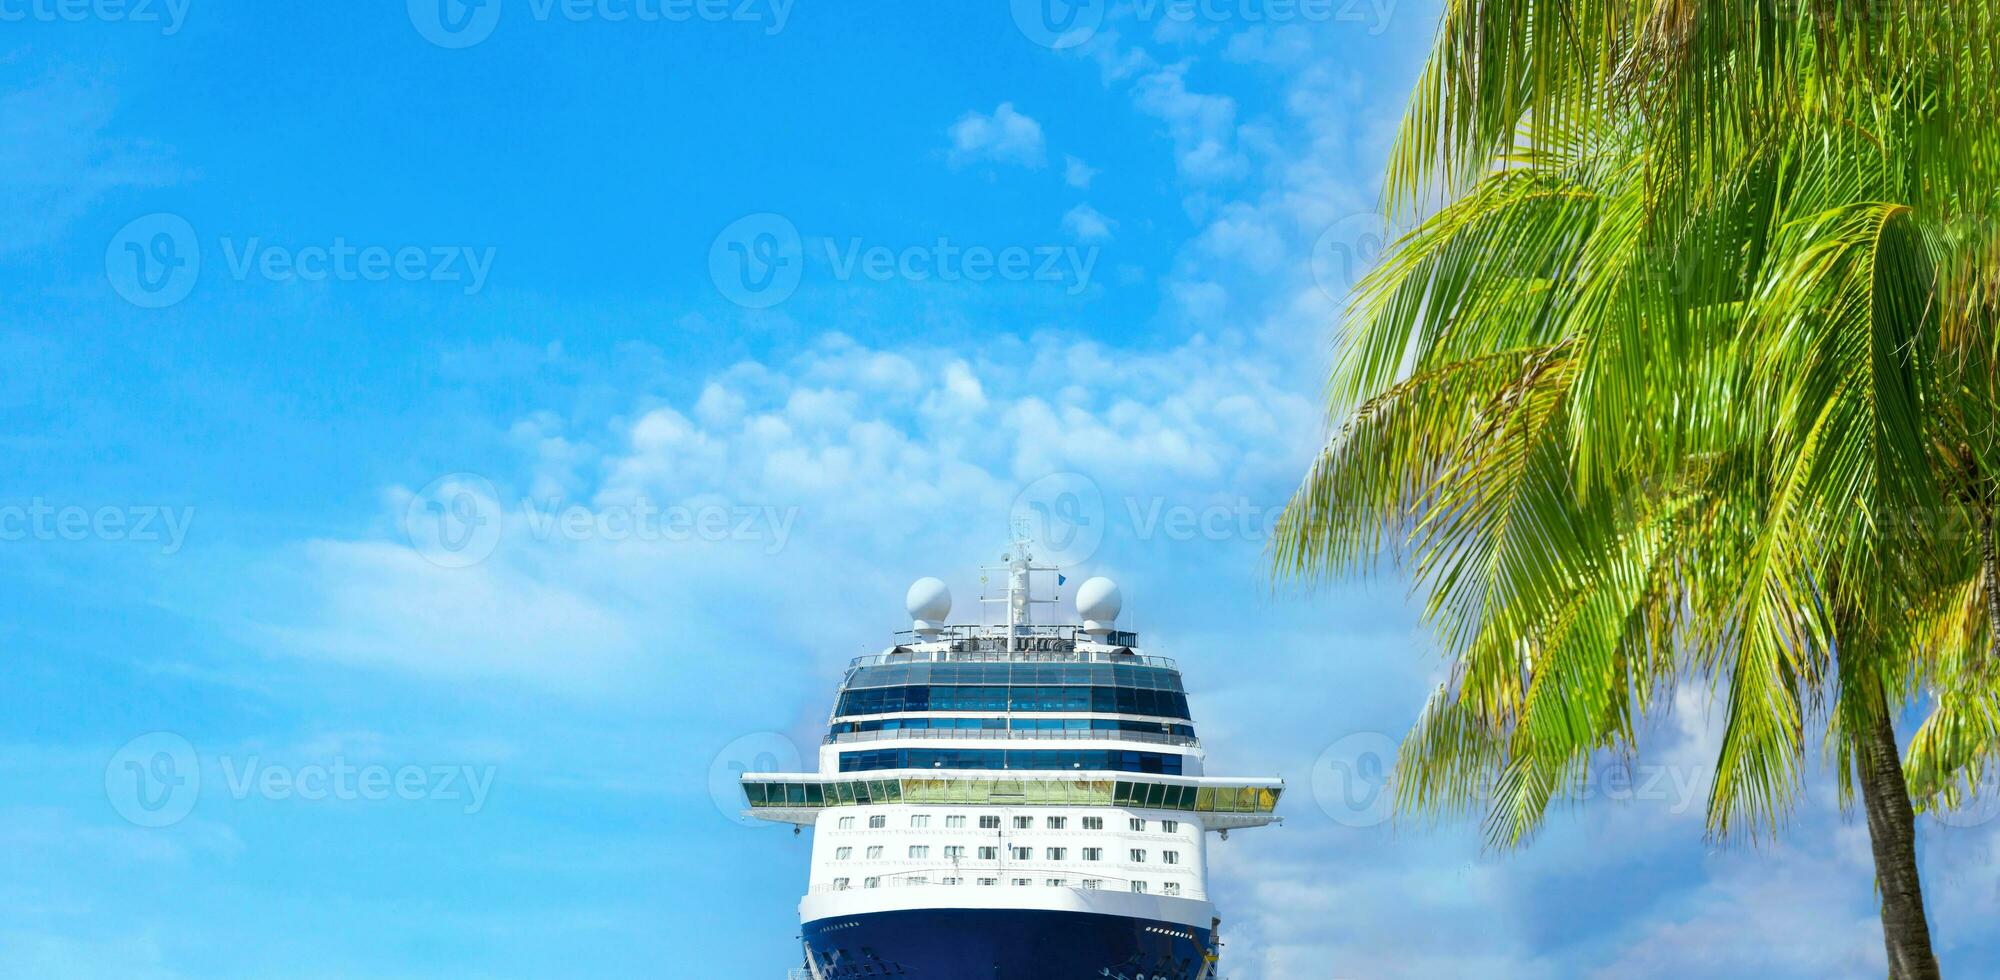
(1001,656)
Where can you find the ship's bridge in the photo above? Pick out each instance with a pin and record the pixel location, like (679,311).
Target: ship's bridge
(1041,705)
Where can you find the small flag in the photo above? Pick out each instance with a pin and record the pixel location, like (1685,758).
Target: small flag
(1061,579)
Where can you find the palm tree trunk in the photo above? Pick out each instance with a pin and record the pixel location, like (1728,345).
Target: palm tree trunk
(1892,831)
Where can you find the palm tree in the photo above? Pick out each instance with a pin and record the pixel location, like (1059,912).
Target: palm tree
(1686,378)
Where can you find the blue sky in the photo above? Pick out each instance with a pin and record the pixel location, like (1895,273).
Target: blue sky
(836,292)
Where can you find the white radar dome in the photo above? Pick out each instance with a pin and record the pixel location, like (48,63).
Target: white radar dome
(929,602)
(1098,601)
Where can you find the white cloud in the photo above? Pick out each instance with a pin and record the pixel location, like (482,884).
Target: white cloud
(960,395)
(1203,127)
(380,604)
(1077,173)
(59,156)
(1006,136)
(843,450)
(1087,224)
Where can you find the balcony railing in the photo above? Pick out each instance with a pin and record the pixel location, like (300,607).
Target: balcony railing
(1072,876)
(1010,734)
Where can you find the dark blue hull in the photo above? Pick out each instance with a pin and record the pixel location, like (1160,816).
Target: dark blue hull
(1004,944)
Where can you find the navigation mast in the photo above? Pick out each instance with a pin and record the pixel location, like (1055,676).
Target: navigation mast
(1019,564)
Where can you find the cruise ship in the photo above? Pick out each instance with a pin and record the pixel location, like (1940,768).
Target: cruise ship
(1011,800)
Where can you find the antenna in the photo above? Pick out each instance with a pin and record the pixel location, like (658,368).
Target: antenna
(1019,564)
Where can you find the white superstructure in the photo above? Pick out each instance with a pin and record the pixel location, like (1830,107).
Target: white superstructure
(1011,767)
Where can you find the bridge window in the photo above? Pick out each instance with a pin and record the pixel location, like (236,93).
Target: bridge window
(1101,700)
(1099,760)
